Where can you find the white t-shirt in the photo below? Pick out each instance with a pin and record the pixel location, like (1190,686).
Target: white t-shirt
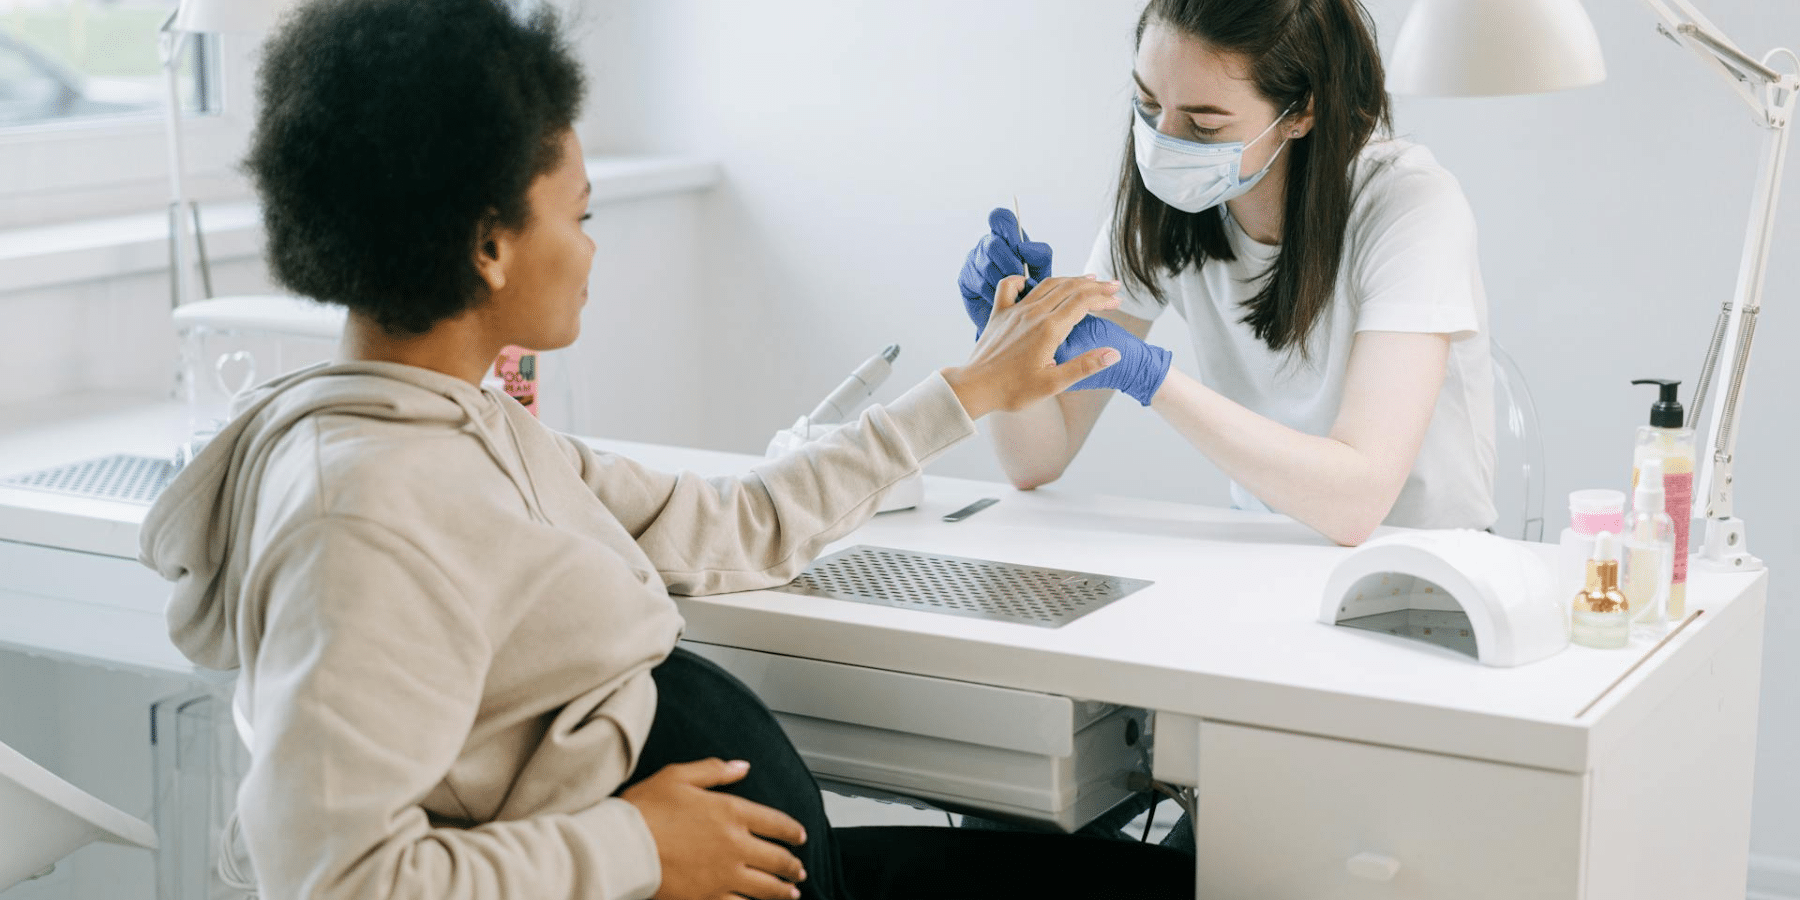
(1409,265)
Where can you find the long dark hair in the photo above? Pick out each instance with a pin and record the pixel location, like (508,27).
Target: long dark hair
(1300,51)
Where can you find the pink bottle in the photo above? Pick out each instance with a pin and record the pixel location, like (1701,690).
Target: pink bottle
(517,369)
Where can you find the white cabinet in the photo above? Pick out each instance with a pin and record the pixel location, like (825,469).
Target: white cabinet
(1291,817)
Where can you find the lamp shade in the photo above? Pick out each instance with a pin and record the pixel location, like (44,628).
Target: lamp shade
(229,16)
(1474,48)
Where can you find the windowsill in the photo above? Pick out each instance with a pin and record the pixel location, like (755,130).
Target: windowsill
(96,249)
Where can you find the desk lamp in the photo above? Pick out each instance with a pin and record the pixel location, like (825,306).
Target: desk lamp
(247,17)
(1493,47)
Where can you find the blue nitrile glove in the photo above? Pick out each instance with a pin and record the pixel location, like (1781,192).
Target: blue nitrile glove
(997,256)
(1141,367)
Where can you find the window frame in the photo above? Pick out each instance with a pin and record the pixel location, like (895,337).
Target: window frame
(58,171)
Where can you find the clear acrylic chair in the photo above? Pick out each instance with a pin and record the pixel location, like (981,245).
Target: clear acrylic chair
(1518,453)
(199,762)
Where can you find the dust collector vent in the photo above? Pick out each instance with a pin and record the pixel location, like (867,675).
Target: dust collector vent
(127,479)
(1048,598)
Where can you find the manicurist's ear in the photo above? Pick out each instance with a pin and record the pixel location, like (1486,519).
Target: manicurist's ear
(493,249)
(1299,124)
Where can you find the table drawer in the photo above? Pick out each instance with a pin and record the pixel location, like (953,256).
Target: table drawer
(994,751)
(1290,817)
(82,577)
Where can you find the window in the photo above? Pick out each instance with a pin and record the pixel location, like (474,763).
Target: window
(71,60)
(82,114)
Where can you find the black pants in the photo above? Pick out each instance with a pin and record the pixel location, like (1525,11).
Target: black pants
(703,711)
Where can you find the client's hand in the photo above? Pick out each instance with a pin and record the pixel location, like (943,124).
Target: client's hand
(1014,364)
(715,845)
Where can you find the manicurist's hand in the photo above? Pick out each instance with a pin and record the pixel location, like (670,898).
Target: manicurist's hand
(1001,253)
(1142,366)
(1014,363)
(715,846)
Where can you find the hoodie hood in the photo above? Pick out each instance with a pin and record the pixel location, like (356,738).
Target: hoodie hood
(198,532)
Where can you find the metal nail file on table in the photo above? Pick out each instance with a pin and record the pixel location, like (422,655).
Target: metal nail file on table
(971,509)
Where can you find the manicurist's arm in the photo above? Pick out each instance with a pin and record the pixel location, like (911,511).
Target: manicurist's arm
(1038,442)
(1343,484)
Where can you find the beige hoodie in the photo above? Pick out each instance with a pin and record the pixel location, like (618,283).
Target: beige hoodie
(444,615)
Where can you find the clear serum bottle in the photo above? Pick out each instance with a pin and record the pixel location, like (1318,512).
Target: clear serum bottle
(1649,557)
(1602,614)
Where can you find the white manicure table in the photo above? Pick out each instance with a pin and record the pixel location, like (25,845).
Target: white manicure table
(1322,761)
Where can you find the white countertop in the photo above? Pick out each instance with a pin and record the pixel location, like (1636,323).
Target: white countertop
(1229,630)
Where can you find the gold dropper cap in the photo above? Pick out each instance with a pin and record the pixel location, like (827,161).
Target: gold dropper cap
(1601,594)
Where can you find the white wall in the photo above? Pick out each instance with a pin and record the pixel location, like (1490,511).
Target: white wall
(629,373)
(108,334)
(864,142)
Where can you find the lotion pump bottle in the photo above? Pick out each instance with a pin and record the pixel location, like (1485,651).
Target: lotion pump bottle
(1602,615)
(1665,439)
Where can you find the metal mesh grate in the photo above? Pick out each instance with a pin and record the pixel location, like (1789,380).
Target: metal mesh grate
(129,479)
(1048,598)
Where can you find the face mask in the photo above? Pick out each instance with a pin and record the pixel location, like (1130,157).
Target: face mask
(1191,176)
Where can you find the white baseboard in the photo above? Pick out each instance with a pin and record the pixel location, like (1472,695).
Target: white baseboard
(1774,877)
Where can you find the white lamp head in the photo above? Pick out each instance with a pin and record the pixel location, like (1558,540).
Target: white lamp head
(229,16)
(1477,48)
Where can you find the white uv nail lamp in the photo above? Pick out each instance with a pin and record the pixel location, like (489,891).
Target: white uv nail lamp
(1469,591)
(44,818)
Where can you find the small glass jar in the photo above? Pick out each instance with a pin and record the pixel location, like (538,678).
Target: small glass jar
(231,344)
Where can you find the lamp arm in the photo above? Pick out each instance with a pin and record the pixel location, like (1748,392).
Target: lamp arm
(1682,23)
(1770,94)
(171,42)
(1678,12)
(1729,356)
(1739,330)
(1731,55)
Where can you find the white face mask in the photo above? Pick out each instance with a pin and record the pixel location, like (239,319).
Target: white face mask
(1192,176)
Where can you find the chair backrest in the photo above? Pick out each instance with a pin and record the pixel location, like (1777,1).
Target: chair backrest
(44,818)
(1518,453)
(201,760)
